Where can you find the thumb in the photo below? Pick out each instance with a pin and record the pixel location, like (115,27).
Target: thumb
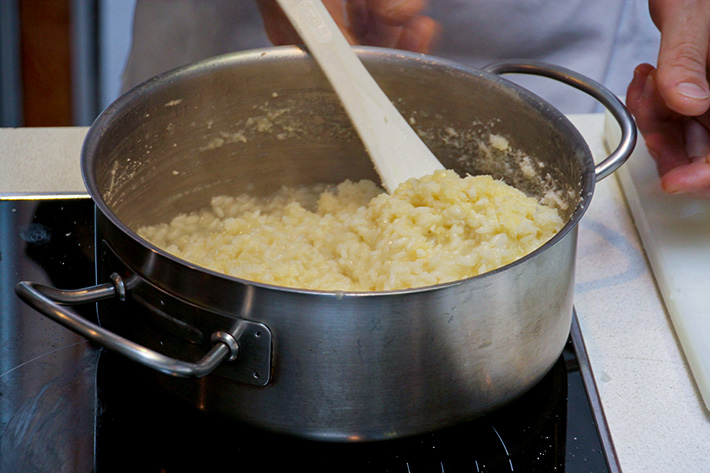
(682,58)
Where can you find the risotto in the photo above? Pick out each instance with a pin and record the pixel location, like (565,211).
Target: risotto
(355,237)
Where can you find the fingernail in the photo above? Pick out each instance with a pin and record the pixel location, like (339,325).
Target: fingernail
(396,3)
(393,5)
(649,87)
(692,91)
(700,159)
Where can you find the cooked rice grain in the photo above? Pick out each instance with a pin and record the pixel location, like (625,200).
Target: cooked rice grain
(354,237)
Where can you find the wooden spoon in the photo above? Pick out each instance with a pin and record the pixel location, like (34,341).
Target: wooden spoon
(394,147)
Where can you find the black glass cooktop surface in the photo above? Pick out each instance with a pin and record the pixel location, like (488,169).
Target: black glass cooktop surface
(68,406)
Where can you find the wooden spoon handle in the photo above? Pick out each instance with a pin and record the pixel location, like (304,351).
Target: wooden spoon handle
(394,147)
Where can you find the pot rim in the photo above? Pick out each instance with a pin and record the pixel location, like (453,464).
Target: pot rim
(114,110)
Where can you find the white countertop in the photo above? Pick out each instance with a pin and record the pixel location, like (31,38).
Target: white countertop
(656,417)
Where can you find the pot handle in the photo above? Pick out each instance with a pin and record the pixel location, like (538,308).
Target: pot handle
(591,87)
(47,301)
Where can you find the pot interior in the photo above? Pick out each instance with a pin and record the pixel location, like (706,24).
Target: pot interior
(255,121)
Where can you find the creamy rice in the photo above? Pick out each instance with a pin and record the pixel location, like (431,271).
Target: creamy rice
(355,237)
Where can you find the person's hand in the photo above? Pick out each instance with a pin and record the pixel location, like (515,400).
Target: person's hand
(398,24)
(671,103)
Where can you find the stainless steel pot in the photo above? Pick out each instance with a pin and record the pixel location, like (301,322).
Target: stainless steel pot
(326,365)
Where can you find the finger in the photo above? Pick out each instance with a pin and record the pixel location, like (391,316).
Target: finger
(276,25)
(644,102)
(697,139)
(366,27)
(339,14)
(420,35)
(683,54)
(369,30)
(393,24)
(692,179)
(396,12)
(661,128)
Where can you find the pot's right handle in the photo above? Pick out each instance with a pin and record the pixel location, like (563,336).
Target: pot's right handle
(47,300)
(591,87)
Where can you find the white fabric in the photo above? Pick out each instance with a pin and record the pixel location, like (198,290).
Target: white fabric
(173,33)
(602,39)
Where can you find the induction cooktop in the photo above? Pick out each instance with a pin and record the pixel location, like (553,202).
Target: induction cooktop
(67,406)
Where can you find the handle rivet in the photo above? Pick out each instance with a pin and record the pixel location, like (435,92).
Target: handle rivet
(228,340)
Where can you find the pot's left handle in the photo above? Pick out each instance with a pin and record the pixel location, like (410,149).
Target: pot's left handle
(47,301)
(592,88)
